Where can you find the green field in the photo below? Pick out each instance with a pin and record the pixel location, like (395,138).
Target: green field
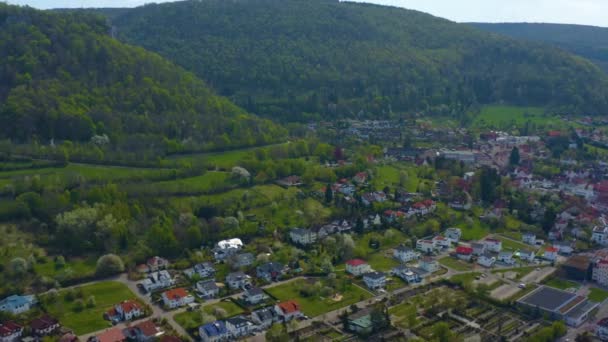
(455,264)
(73,267)
(210,181)
(381,262)
(316,306)
(193,319)
(597,295)
(511,245)
(500,116)
(89,319)
(562,284)
(389,175)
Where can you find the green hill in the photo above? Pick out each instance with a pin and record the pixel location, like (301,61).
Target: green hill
(590,42)
(64,78)
(295,60)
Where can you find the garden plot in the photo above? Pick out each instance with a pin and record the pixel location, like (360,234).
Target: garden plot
(538,276)
(505,291)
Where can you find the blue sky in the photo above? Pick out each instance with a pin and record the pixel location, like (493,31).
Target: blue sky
(585,12)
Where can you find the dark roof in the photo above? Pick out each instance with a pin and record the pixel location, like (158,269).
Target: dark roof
(44,322)
(254,291)
(238,321)
(374,275)
(548,298)
(581,309)
(266,314)
(208,285)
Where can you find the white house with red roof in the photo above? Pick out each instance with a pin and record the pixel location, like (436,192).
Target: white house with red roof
(175,298)
(550,253)
(125,311)
(10,332)
(357,267)
(288,310)
(360,178)
(493,245)
(422,208)
(464,253)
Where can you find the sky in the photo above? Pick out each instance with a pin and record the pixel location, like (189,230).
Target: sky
(584,12)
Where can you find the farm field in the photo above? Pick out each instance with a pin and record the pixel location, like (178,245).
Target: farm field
(499,116)
(89,319)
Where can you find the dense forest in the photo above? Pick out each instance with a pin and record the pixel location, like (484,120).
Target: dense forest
(590,42)
(298,60)
(65,79)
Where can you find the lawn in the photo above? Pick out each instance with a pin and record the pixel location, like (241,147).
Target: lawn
(228,306)
(381,262)
(316,306)
(597,295)
(466,278)
(89,320)
(562,284)
(210,181)
(509,244)
(505,116)
(455,264)
(193,319)
(521,271)
(74,268)
(389,175)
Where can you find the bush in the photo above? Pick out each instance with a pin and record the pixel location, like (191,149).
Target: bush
(91,302)
(109,264)
(79,305)
(70,295)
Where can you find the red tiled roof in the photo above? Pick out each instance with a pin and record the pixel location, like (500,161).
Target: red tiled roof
(464,250)
(111,335)
(147,328)
(9,328)
(177,293)
(289,306)
(356,262)
(129,306)
(551,249)
(44,322)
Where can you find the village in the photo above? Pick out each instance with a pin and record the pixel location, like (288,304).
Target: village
(511,230)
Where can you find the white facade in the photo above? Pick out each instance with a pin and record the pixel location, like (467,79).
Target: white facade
(600,235)
(441,242)
(173,300)
(158,280)
(493,245)
(405,254)
(429,265)
(375,280)
(357,268)
(425,246)
(529,238)
(454,234)
(303,236)
(600,272)
(486,260)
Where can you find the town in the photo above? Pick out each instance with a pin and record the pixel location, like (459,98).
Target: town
(494,236)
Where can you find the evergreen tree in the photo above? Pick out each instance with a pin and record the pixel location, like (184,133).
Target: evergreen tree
(514,157)
(329,194)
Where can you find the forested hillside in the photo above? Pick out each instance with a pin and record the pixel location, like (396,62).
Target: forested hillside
(64,78)
(590,42)
(295,60)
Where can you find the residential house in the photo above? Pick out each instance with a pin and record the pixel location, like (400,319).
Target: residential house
(600,272)
(405,254)
(207,289)
(428,264)
(406,274)
(270,271)
(111,335)
(215,331)
(422,208)
(16,304)
(265,317)
(563,247)
(600,235)
(478,248)
(242,260)
(158,280)
(464,253)
(529,238)
(360,322)
(254,295)
(486,260)
(357,267)
(375,280)
(237,280)
(506,257)
(425,246)
(10,332)
(175,298)
(526,255)
(493,245)
(454,234)
(301,236)
(288,310)
(290,181)
(550,253)
(360,178)
(227,248)
(203,270)
(371,197)
(239,326)
(125,311)
(441,242)
(601,329)
(157,263)
(145,331)
(44,326)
